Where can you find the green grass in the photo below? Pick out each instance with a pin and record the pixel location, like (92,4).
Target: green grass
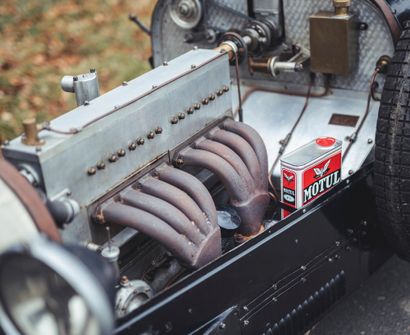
(43,40)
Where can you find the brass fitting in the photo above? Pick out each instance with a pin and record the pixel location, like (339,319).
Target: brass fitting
(342,7)
(30,135)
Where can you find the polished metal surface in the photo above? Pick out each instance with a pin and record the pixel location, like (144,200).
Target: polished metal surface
(125,129)
(273,115)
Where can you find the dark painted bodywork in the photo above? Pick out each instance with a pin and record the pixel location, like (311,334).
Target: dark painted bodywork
(400,9)
(282,281)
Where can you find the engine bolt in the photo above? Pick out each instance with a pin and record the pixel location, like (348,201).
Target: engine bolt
(190,111)
(158,130)
(197,106)
(181,116)
(205,101)
(174,120)
(121,152)
(151,135)
(101,165)
(132,146)
(113,158)
(92,171)
(140,141)
(179,162)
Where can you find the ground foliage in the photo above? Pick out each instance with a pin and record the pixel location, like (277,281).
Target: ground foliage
(43,40)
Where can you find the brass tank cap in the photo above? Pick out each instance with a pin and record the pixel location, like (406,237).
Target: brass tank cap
(342,3)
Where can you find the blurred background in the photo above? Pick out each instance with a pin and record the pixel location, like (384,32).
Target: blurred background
(43,40)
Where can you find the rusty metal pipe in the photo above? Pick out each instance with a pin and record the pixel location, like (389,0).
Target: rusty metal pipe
(234,184)
(230,156)
(254,139)
(177,198)
(148,224)
(243,149)
(165,211)
(193,187)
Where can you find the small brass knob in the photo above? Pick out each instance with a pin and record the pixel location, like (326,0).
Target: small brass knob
(342,6)
(30,135)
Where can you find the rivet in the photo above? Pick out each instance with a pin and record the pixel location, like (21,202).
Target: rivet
(75,78)
(212,97)
(154,87)
(225,89)
(92,70)
(124,83)
(351,172)
(197,106)
(190,111)
(92,171)
(174,120)
(158,130)
(140,141)
(165,63)
(132,146)
(121,152)
(151,135)
(370,141)
(205,101)
(193,66)
(219,93)
(86,103)
(101,165)
(113,158)
(181,116)
(38,149)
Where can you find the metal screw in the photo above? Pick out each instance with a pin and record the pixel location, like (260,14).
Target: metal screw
(197,106)
(181,116)
(179,162)
(121,152)
(140,141)
(92,171)
(174,120)
(151,135)
(101,165)
(190,111)
(212,97)
(132,146)
(113,158)
(158,130)
(124,280)
(205,101)
(370,141)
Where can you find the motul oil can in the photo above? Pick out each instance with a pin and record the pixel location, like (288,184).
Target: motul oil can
(310,171)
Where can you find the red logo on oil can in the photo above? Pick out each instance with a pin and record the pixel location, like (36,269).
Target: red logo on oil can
(322,177)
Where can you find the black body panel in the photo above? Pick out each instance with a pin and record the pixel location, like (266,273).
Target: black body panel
(282,281)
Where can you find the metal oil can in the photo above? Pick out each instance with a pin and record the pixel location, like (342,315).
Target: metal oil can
(310,171)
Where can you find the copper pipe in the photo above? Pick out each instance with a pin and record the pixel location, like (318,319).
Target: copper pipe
(148,224)
(234,185)
(193,187)
(165,211)
(230,156)
(177,198)
(243,149)
(255,140)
